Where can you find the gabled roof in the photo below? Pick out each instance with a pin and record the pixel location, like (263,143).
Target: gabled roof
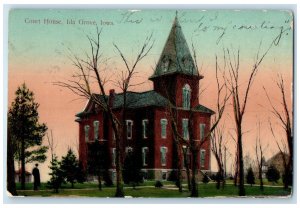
(176,56)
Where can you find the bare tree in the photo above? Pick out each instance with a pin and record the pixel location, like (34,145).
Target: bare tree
(240,101)
(89,71)
(52,146)
(218,144)
(259,157)
(284,118)
(192,145)
(125,84)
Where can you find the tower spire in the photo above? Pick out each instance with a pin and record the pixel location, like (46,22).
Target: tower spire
(176,56)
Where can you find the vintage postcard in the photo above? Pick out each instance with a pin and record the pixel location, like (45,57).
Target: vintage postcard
(150,103)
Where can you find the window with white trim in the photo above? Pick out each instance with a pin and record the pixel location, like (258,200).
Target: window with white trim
(202,158)
(114,156)
(186,96)
(145,155)
(185,156)
(129,124)
(163,156)
(145,128)
(185,128)
(163,124)
(96,130)
(86,132)
(202,131)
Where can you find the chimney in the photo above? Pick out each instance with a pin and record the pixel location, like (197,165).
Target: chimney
(111,97)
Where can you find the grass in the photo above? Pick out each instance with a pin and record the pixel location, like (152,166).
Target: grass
(205,190)
(86,185)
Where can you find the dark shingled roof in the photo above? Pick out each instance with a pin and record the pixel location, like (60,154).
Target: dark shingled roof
(143,99)
(140,99)
(176,56)
(203,109)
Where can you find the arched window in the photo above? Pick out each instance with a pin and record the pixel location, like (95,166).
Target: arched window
(186,96)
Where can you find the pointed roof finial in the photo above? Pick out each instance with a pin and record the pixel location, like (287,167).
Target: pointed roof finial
(176,13)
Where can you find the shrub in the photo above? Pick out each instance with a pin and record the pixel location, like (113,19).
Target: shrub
(107,180)
(273,174)
(158,184)
(250,177)
(205,179)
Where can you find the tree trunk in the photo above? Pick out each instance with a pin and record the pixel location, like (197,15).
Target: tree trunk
(72,184)
(119,189)
(194,191)
(11,185)
(179,179)
(23,164)
(261,180)
(187,169)
(179,165)
(241,161)
(99,183)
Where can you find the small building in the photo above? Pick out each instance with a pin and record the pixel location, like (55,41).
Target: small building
(148,120)
(28,176)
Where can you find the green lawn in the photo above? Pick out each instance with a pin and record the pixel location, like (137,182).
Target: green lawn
(205,190)
(86,185)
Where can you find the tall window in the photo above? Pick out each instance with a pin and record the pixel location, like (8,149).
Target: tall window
(163,158)
(86,132)
(185,128)
(163,124)
(129,124)
(114,156)
(202,131)
(186,96)
(96,130)
(144,155)
(145,128)
(185,156)
(202,158)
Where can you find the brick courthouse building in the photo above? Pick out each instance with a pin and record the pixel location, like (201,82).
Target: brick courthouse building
(148,121)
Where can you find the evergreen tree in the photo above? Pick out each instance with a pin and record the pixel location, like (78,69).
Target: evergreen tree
(250,177)
(70,166)
(131,170)
(98,161)
(273,174)
(25,130)
(57,175)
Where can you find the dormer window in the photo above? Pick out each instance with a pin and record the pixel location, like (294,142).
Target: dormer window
(186,96)
(165,64)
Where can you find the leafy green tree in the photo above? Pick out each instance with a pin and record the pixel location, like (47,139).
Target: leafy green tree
(273,174)
(25,130)
(250,177)
(71,169)
(57,175)
(98,167)
(131,170)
